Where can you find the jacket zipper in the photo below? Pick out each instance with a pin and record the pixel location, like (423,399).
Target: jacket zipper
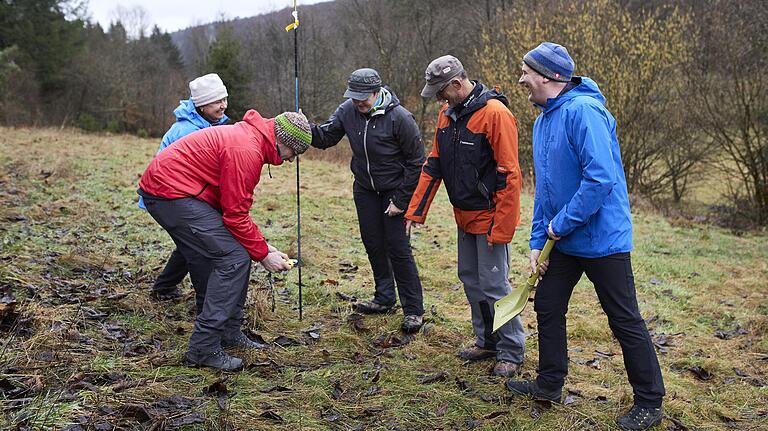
(365,149)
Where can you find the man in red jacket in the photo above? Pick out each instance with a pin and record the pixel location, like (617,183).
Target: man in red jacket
(200,190)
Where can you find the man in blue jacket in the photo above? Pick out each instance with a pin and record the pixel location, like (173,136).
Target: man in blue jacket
(204,108)
(581,202)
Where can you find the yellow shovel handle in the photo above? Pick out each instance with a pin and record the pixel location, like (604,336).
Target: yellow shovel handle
(542,258)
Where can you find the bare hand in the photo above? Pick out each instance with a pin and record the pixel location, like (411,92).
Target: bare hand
(272,249)
(551,233)
(274,262)
(534,263)
(409,224)
(392,210)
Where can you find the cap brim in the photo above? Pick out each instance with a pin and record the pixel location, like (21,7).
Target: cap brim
(349,94)
(430,90)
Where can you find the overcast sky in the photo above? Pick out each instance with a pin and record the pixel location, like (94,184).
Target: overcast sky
(172,15)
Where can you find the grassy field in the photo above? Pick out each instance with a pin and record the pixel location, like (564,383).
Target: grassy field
(83,346)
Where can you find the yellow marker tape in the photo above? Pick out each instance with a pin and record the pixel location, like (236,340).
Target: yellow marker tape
(295,24)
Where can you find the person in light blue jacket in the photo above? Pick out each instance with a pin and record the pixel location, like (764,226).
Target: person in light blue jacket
(581,202)
(204,108)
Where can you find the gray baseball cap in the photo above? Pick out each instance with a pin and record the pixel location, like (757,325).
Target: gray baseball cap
(439,73)
(362,83)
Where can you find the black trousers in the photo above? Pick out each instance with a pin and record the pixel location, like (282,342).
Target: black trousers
(615,287)
(174,272)
(389,251)
(218,265)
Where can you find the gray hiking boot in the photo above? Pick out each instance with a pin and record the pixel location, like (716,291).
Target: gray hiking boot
(241,341)
(412,323)
(220,360)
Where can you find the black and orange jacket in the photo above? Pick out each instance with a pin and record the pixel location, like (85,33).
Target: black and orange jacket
(475,154)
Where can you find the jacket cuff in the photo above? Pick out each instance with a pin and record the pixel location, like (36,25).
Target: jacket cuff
(260,252)
(537,243)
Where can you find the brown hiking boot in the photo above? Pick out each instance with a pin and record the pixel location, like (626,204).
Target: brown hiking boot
(506,369)
(475,353)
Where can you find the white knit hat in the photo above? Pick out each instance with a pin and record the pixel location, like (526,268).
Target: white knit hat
(206,89)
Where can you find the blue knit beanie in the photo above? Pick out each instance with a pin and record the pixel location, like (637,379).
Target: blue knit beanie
(551,60)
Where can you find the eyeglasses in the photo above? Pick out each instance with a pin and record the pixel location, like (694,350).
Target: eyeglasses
(443,89)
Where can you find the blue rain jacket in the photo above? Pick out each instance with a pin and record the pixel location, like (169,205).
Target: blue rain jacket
(187,121)
(580,183)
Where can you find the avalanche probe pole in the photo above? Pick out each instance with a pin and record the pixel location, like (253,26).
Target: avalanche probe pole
(295,27)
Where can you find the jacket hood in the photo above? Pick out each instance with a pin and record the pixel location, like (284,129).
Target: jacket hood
(394,100)
(389,103)
(479,97)
(584,87)
(186,112)
(266,128)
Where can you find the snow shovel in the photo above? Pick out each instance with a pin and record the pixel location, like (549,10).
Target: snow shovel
(513,304)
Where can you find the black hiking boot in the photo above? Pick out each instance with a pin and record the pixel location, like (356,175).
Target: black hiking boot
(640,418)
(531,389)
(371,307)
(241,341)
(220,360)
(166,294)
(412,323)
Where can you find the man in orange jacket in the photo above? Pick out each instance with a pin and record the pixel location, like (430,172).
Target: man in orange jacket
(200,190)
(475,155)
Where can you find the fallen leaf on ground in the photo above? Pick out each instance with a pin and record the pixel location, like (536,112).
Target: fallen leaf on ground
(345,297)
(338,391)
(276,388)
(356,320)
(438,377)
(701,373)
(269,414)
(495,414)
(218,387)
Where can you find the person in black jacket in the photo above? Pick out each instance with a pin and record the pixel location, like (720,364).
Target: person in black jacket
(387,154)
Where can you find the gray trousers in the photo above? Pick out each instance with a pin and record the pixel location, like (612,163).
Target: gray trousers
(484,272)
(218,264)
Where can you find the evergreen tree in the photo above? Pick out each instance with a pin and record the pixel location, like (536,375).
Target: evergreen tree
(224,59)
(47,41)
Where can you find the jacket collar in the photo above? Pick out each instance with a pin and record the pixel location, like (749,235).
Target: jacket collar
(476,99)
(265,128)
(187,111)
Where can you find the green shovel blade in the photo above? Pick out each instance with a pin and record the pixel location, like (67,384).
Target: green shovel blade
(506,308)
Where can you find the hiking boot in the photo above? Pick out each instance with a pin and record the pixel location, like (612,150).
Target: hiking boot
(371,307)
(475,353)
(531,389)
(166,294)
(241,341)
(219,360)
(412,323)
(640,418)
(506,369)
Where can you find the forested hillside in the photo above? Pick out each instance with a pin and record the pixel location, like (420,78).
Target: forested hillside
(684,78)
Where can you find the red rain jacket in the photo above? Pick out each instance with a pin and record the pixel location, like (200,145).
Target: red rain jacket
(220,166)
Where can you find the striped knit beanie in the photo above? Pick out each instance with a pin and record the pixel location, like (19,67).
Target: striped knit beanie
(551,60)
(292,130)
